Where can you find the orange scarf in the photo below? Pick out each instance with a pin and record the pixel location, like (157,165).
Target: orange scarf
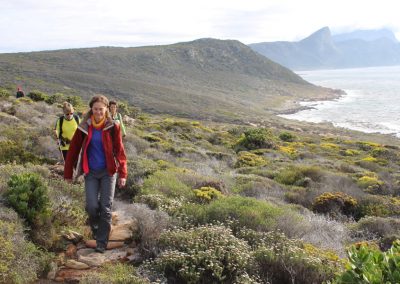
(98,125)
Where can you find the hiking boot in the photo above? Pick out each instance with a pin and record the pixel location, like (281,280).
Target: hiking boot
(100,248)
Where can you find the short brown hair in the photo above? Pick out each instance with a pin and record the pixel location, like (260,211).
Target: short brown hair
(113,103)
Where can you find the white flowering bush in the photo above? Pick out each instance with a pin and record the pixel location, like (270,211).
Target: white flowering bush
(283,260)
(162,203)
(206,254)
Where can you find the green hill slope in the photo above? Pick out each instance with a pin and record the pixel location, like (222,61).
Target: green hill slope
(204,79)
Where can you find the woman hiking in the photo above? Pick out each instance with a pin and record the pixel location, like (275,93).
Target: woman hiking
(117,116)
(65,128)
(99,141)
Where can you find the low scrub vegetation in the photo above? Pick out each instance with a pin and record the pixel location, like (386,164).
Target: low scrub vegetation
(215,202)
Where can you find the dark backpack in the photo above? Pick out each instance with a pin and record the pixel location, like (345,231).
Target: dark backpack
(61,123)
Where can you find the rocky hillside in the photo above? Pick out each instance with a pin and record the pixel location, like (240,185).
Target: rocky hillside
(206,78)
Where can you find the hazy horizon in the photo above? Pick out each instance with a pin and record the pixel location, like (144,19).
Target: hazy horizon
(28,25)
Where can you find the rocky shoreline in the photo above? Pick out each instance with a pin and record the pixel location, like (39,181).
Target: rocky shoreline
(295,106)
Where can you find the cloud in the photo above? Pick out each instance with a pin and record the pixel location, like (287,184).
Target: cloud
(43,24)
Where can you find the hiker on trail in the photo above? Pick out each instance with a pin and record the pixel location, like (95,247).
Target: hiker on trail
(117,116)
(65,128)
(20,93)
(103,157)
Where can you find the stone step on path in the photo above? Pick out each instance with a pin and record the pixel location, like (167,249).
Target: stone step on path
(79,257)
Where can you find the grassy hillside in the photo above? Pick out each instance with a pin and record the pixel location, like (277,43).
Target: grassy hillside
(232,203)
(203,79)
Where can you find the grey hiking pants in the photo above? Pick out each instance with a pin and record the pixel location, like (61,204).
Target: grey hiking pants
(100,188)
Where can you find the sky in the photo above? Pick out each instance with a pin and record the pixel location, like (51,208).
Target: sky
(34,25)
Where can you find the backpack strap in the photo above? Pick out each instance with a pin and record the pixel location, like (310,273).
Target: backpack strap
(76,119)
(60,126)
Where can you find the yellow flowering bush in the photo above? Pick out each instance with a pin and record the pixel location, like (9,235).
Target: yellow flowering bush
(329,146)
(370,182)
(288,150)
(247,159)
(370,159)
(207,193)
(351,152)
(333,203)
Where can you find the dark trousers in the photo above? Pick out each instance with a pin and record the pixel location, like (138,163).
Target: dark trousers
(100,188)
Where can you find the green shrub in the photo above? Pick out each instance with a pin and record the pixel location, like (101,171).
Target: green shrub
(370,265)
(152,138)
(380,206)
(166,183)
(4,93)
(126,109)
(20,260)
(287,137)
(28,195)
(11,151)
(38,96)
(207,254)
(114,274)
(55,98)
(76,101)
(247,159)
(334,203)
(299,175)
(138,170)
(256,138)
(247,212)
(283,260)
(380,152)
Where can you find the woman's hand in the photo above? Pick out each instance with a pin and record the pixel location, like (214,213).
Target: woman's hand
(121,182)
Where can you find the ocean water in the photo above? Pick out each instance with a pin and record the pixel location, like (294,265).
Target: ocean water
(371,103)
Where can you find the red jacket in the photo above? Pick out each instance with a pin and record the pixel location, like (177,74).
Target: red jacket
(113,149)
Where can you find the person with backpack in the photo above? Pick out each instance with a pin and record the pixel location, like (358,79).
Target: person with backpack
(65,128)
(117,116)
(97,151)
(20,93)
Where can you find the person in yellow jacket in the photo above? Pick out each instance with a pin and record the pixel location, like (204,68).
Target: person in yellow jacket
(65,128)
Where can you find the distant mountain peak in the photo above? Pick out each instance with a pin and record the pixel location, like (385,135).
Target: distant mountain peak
(366,35)
(323,34)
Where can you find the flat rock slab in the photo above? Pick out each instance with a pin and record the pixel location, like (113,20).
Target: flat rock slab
(94,259)
(124,231)
(71,263)
(110,245)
